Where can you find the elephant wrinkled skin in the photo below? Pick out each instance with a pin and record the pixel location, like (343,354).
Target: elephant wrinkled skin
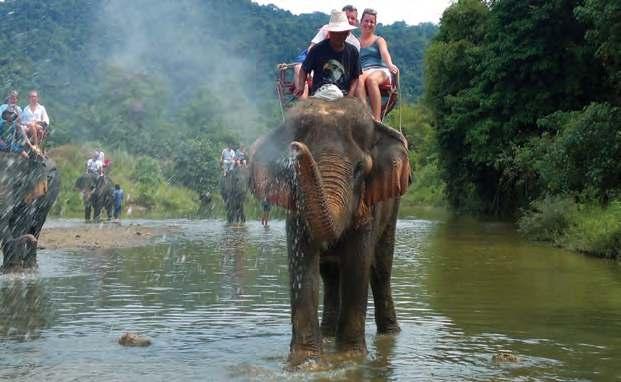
(28,189)
(97,194)
(340,175)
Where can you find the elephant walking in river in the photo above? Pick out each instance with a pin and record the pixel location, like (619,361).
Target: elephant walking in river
(28,189)
(340,174)
(233,188)
(97,194)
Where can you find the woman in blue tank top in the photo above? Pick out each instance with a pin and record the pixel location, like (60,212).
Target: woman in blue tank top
(376,63)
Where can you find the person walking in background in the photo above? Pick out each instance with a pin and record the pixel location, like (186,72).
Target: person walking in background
(117,195)
(266,207)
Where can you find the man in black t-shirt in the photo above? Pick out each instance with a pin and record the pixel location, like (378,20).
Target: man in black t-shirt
(332,61)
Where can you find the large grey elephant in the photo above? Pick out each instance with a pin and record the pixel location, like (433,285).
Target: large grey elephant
(97,192)
(233,188)
(340,174)
(28,189)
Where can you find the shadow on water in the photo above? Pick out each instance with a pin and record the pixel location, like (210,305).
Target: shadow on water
(215,301)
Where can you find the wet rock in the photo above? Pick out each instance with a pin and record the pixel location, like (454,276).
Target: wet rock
(134,339)
(505,356)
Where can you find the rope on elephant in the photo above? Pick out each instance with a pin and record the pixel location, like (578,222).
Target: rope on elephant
(400,103)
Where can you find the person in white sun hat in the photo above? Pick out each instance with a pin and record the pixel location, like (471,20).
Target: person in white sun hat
(335,63)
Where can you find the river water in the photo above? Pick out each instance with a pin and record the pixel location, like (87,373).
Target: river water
(214,300)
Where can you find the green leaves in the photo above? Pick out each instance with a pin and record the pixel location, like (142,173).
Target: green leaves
(496,74)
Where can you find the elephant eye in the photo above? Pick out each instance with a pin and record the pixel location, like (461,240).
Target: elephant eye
(358,170)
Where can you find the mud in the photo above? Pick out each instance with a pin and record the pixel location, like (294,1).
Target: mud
(101,236)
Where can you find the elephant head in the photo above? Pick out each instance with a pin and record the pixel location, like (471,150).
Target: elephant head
(332,162)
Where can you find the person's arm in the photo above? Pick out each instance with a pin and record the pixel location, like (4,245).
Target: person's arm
(356,71)
(352,88)
(299,82)
(44,117)
(383,49)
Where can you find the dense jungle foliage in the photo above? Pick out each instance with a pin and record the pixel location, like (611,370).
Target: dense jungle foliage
(173,81)
(526,100)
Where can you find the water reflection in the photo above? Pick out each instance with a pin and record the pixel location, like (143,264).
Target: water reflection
(215,301)
(25,306)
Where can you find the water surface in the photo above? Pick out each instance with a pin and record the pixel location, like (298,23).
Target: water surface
(214,300)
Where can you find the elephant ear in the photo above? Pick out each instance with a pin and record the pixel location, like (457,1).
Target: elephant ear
(391,173)
(269,168)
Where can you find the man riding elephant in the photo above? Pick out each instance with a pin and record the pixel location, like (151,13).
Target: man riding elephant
(28,189)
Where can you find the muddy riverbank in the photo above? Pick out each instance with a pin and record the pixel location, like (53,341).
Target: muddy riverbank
(102,236)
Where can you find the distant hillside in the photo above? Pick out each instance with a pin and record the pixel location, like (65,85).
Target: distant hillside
(171,80)
(63,46)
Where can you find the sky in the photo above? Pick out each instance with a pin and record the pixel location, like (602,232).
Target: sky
(389,11)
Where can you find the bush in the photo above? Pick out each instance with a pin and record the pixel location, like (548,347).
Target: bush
(584,227)
(548,219)
(597,230)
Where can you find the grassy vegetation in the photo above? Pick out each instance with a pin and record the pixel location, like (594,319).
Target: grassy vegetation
(583,227)
(147,192)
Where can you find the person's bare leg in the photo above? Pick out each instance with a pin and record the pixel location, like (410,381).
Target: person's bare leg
(360,89)
(375,97)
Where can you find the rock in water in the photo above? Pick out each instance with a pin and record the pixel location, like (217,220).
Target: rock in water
(134,339)
(505,356)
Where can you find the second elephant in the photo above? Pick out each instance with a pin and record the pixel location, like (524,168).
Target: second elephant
(97,194)
(233,188)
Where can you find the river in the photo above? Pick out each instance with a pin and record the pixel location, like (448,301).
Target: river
(214,300)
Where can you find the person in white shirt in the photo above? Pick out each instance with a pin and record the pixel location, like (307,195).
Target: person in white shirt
(94,165)
(34,118)
(228,159)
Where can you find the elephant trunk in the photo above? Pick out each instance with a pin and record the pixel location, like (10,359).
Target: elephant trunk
(324,193)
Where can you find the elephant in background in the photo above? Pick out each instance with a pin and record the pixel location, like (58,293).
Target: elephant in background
(340,175)
(233,188)
(97,194)
(28,189)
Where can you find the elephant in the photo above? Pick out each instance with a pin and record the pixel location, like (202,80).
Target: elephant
(28,189)
(340,175)
(97,192)
(233,188)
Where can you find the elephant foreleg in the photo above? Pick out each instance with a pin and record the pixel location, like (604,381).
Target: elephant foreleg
(304,290)
(330,276)
(385,314)
(87,212)
(355,259)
